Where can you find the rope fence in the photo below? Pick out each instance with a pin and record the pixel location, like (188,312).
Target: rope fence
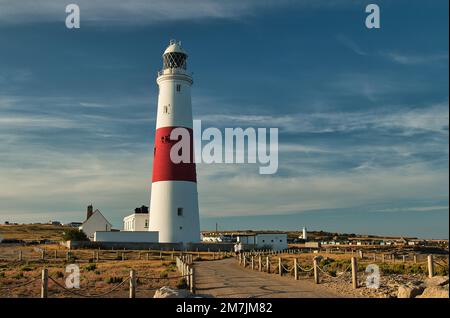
(284,266)
(184,266)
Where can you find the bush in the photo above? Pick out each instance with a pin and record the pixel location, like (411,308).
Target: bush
(164,274)
(113,280)
(18,276)
(74,235)
(90,267)
(182,284)
(26,268)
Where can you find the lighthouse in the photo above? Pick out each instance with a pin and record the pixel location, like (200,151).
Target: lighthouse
(174,198)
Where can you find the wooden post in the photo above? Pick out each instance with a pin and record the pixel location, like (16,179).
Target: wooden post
(268,264)
(374,257)
(280,268)
(123,256)
(382,258)
(316,271)
(253,263)
(132,284)
(430,266)
(43,254)
(97,256)
(245,259)
(404,258)
(295,269)
(44,283)
(354,272)
(260,263)
(192,280)
(415,259)
(20,256)
(56,254)
(93,255)
(361,254)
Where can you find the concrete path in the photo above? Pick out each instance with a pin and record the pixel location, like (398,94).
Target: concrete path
(226,279)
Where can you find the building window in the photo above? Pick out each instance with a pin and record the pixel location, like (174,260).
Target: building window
(178,87)
(180,211)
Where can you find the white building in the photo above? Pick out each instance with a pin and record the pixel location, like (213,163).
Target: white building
(138,221)
(212,238)
(275,241)
(304,235)
(126,236)
(95,221)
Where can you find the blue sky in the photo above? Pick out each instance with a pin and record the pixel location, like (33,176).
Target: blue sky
(362,114)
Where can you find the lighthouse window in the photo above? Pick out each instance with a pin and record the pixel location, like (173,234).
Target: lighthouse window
(178,87)
(166,109)
(180,211)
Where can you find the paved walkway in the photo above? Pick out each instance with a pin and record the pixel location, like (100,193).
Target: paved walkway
(226,279)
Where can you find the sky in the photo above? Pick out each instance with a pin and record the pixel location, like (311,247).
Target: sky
(362,113)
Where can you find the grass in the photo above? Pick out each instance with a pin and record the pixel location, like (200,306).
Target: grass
(30,232)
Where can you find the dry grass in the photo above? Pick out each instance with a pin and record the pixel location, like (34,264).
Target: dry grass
(30,232)
(96,277)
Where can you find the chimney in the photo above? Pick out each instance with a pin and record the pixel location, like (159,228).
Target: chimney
(90,211)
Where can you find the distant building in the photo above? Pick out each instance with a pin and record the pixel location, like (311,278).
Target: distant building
(138,221)
(56,223)
(74,224)
(95,221)
(275,241)
(312,244)
(212,238)
(304,235)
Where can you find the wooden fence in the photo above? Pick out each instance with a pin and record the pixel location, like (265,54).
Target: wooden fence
(40,254)
(184,265)
(264,261)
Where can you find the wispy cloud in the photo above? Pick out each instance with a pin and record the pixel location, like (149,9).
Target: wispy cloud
(404,58)
(409,121)
(350,44)
(148,12)
(415,59)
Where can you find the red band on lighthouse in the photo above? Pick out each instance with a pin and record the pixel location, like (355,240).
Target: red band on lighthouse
(164,169)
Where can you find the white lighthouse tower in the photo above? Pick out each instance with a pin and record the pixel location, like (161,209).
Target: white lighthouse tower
(174,199)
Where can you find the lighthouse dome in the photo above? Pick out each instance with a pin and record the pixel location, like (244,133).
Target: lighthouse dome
(175,47)
(174,56)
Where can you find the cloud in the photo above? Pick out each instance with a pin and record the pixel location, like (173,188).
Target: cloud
(145,11)
(249,194)
(350,44)
(432,118)
(415,59)
(416,209)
